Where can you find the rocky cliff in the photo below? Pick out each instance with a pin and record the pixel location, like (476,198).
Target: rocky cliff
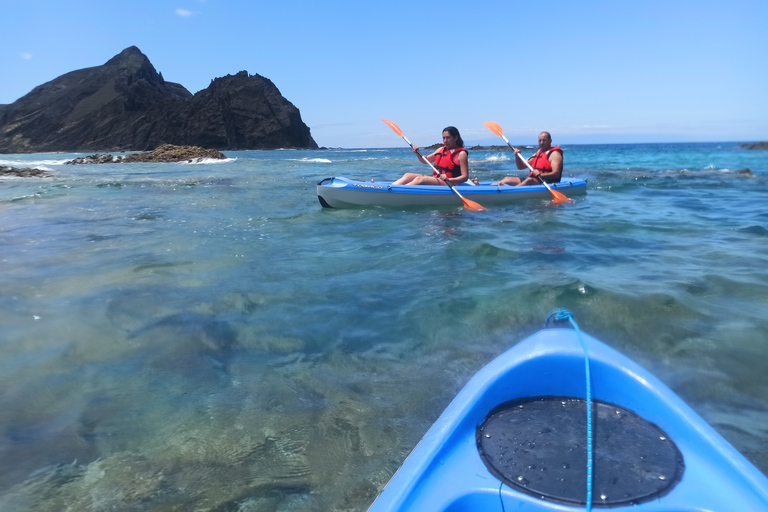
(126,105)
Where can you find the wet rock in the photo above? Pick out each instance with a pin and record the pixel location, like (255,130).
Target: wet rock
(166,153)
(95,159)
(744,171)
(171,153)
(25,172)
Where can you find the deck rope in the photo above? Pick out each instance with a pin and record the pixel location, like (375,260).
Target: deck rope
(562,315)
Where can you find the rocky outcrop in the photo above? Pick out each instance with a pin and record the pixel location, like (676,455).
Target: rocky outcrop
(165,153)
(755,145)
(24,172)
(126,105)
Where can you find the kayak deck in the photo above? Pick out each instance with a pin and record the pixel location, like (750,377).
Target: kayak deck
(340,192)
(445,472)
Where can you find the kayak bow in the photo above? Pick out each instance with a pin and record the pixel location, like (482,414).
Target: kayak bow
(515,439)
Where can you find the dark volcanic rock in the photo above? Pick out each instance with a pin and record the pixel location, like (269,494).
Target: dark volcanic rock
(100,158)
(755,145)
(165,153)
(171,153)
(25,172)
(126,105)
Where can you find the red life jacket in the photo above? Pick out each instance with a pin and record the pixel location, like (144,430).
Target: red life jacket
(540,161)
(448,163)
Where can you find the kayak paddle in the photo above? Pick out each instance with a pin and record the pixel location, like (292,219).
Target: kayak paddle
(496,128)
(469,205)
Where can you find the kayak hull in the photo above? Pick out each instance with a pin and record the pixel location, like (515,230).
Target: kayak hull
(339,192)
(445,471)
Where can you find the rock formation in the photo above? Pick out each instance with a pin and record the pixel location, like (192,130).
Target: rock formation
(24,172)
(126,105)
(755,145)
(165,153)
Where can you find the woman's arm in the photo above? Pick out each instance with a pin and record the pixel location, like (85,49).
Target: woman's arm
(424,159)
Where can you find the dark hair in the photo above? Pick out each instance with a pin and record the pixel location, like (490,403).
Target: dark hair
(454,132)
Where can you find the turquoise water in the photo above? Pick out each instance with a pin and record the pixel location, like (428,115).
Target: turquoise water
(206,336)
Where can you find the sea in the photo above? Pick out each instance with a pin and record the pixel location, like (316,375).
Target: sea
(205,336)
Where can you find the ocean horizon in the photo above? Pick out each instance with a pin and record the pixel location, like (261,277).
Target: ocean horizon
(206,336)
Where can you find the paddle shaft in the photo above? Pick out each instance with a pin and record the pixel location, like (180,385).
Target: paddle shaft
(470,205)
(526,162)
(435,171)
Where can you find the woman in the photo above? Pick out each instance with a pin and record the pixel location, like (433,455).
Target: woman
(451,161)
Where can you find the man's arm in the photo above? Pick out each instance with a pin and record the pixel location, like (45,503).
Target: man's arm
(556,161)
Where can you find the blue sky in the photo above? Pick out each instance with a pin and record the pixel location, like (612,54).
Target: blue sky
(589,71)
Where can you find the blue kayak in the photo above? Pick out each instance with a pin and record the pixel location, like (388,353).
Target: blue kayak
(517,437)
(347,193)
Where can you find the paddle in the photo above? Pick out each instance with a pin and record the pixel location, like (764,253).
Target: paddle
(496,128)
(469,205)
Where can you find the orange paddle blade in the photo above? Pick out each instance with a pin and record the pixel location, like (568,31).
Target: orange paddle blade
(494,127)
(471,205)
(394,127)
(557,197)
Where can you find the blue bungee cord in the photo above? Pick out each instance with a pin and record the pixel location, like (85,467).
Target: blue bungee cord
(562,315)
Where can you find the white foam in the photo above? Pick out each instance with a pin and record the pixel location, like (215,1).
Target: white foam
(492,158)
(313,160)
(32,163)
(208,161)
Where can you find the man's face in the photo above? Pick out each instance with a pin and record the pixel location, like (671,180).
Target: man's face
(545,142)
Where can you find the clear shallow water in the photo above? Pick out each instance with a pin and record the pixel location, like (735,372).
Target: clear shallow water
(208,337)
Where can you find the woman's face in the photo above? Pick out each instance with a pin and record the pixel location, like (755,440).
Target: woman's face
(449,141)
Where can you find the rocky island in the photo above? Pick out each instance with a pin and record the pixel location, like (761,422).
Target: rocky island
(165,153)
(126,105)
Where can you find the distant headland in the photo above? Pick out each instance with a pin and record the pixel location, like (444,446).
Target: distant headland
(126,105)
(755,145)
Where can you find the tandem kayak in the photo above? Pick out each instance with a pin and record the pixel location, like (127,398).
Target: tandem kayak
(516,437)
(346,193)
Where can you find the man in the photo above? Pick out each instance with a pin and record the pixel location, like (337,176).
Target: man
(547,164)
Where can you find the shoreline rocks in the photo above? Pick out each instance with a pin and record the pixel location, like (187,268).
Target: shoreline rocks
(24,172)
(167,153)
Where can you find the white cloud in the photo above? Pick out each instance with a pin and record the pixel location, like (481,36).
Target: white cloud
(184,12)
(25,55)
